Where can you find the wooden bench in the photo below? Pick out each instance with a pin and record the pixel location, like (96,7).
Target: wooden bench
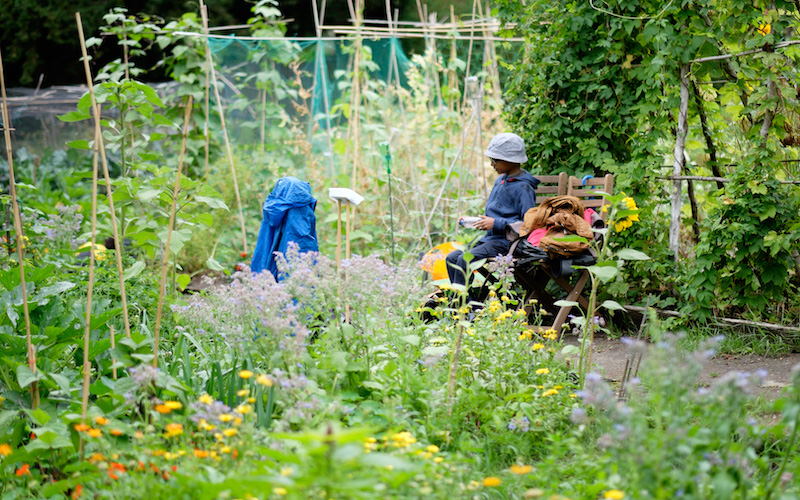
(534,277)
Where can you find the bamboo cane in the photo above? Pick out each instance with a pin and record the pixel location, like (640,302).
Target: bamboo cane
(113,346)
(229,151)
(165,257)
(87,330)
(207,100)
(19,236)
(119,244)
(355,114)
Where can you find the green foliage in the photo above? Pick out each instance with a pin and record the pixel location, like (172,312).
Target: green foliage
(743,256)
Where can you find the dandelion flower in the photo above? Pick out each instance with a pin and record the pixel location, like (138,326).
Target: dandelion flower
(492,482)
(543,371)
(245,374)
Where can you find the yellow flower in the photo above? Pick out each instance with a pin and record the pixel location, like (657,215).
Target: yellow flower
(243,409)
(492,482)
(173,430)
(543,371)
(264,380)
(432,448)
(200,453)
(549,392)
(225,449)
(630,203)
(230,432)
(205,398)
(614,495)
(100,420)
(5,449)
(205,425)
(505,298)
(521,469)
(403,439)
(438,460)
(287,471)
(573,395)
(251,400)
(278,490)
(765,29)
(537,346)
(2,399)
(245,374)
(242,392)
(95,433)
(224,417)
(173,405)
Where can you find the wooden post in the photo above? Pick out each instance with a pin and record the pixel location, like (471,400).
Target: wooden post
(677,166)
(20,237)
(118,239)
(172,209)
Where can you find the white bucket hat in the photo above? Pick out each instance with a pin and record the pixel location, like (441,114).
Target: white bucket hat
(507,146)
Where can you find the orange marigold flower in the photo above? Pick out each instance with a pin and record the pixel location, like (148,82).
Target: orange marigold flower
(25,469)
(173,430)
(96,457)
(117,466)
(76,493)
(112,475)
(101,420)
(116,432)
(95,433)
(5,449)
(81,427)
(492,482)
(163,409)
(200,453)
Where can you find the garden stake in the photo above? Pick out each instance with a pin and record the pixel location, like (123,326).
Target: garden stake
(204,16)
(113,346)
(387,160)
(118,243)
(229,150)
(20,238)
(165,257)
(451,384)
(87,330)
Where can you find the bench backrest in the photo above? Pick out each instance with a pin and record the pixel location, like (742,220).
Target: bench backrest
(550,185)
(585,191)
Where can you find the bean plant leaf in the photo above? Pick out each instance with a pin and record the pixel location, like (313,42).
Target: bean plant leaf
(26,377)
(604,272)
(212,202)
(631,254)
(134,270)
(612,305)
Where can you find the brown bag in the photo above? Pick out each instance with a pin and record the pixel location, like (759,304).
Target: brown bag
(562,225)
(539,215)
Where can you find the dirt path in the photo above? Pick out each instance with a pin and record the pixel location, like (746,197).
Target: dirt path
(610,355)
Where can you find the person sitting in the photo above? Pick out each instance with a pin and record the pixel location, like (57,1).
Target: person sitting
(288,217)
(512,195)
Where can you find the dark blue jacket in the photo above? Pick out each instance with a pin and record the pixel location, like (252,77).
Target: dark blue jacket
(510,198)
(288,216)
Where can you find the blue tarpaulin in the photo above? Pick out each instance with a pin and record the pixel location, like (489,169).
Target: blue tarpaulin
(288,216)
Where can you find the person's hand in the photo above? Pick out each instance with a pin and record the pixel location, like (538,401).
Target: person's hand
(486,223)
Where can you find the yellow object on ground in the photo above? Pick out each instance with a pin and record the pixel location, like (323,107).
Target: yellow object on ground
(433,262)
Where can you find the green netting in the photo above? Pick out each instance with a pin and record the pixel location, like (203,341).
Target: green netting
(286,69)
